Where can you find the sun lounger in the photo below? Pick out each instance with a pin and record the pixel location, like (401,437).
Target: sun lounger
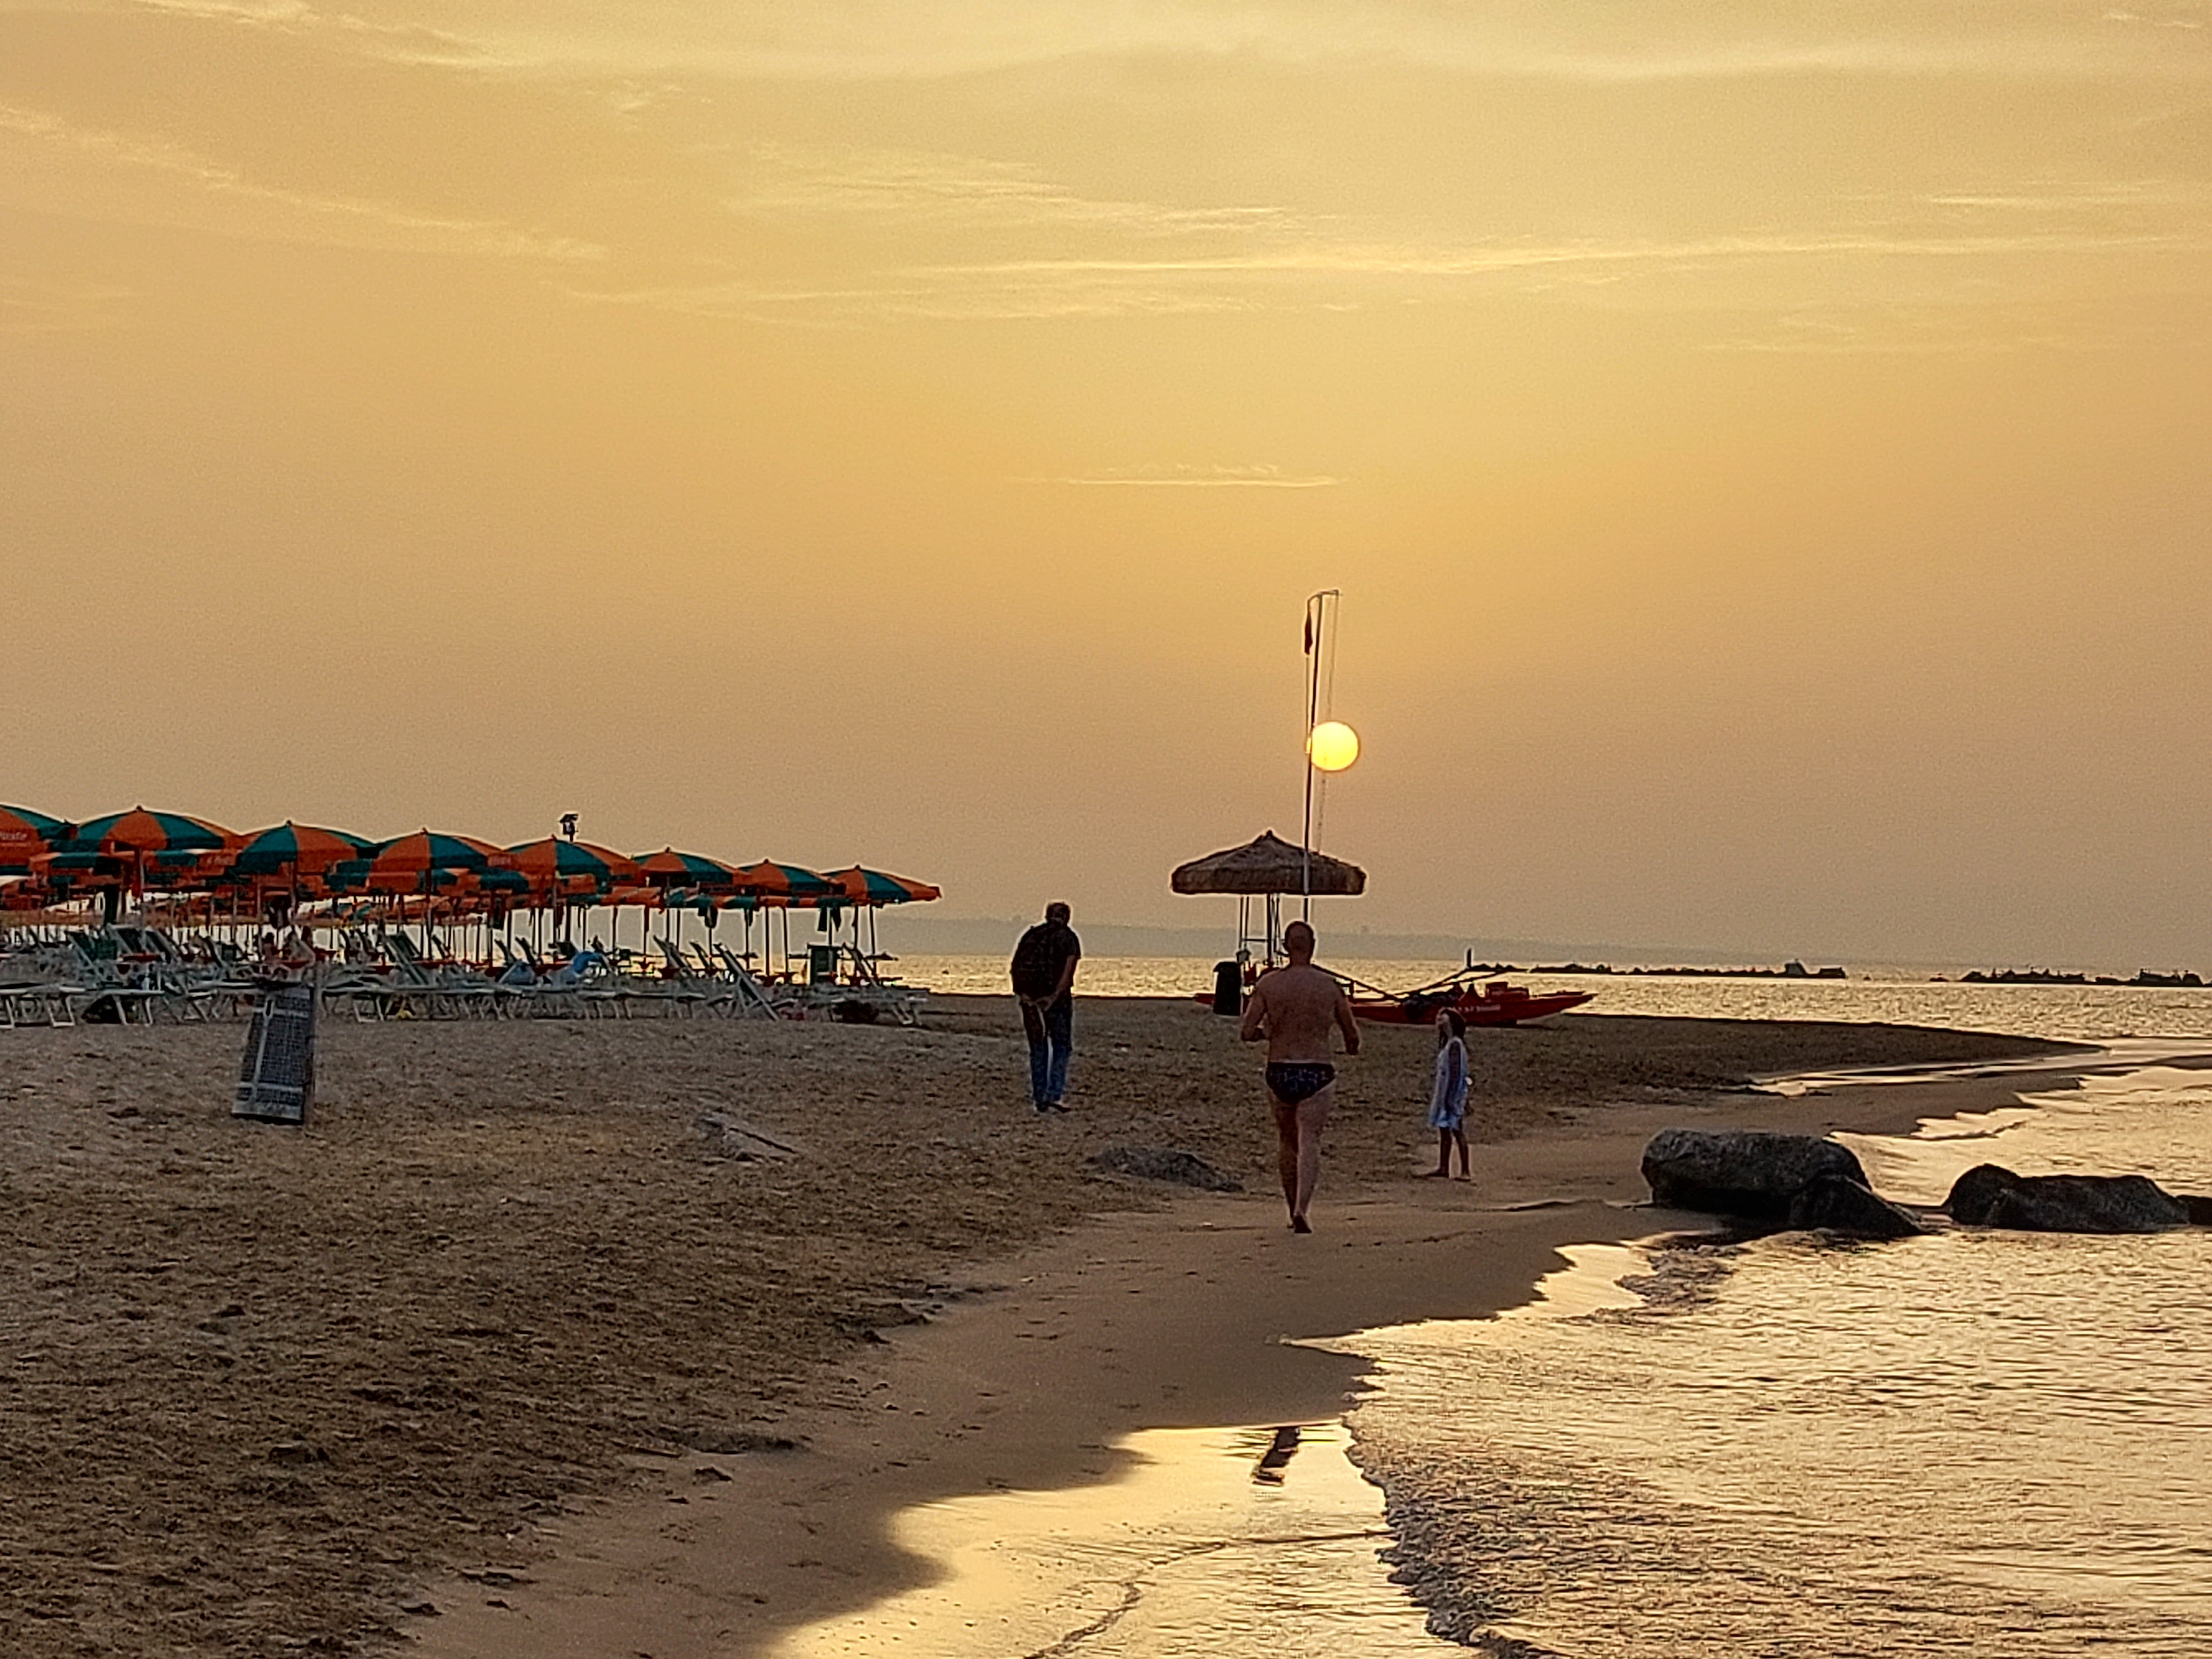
(752,995)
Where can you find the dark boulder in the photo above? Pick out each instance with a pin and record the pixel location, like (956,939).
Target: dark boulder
(1165,1163)
(1833,1204)
(1742,1172)
(1988,1196)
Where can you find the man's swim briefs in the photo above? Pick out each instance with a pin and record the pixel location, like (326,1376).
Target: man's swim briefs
(1294,1081)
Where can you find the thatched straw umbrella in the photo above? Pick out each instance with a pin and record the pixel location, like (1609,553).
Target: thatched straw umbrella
(1269,865)
(1268,868)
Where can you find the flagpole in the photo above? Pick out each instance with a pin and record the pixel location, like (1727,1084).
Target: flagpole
(1316,627)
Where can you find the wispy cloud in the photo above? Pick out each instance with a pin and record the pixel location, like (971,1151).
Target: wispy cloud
(1153,477)
(966,193)
(1297,273)
(301,215)
(946,295)
(401,40)
(1597,41)
(264,12)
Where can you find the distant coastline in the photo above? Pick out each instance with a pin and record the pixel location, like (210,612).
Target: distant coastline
(912,933)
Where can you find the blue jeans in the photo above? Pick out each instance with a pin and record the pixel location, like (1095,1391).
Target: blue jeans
(1052,1039)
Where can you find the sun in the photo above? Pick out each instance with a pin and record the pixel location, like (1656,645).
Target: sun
(1333,745)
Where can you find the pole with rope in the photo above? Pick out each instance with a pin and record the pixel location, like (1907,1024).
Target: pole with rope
(1331,745)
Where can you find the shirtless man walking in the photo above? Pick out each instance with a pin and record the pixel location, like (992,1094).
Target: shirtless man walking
(1293,1008)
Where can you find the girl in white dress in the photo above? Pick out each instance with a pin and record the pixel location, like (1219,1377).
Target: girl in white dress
(1448,1099)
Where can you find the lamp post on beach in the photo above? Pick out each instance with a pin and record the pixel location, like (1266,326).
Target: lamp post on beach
(1331,745)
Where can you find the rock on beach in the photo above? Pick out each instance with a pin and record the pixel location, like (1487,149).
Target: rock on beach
(1744,1172)
(1990,1195)
(1833,1204)
(1167,1163)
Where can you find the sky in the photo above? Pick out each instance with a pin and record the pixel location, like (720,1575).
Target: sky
(1762,448)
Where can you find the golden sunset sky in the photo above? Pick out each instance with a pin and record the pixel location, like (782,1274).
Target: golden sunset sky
(1765,449)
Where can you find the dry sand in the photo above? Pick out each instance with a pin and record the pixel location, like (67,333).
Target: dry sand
(504,1309)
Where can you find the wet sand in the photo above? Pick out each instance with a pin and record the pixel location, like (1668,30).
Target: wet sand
(505,1307)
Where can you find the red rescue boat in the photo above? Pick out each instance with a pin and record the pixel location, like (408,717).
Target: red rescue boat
(1500,1002)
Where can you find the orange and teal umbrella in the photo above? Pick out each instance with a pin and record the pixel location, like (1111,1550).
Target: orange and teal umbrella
(874,887)
(143,833)
(24,835)
(789,883)
(298,848)
(178,848)
(406,864)
(670,868)
(573,866)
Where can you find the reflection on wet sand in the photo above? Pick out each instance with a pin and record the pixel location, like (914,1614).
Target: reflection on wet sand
(1214,1538)
(1277,1457)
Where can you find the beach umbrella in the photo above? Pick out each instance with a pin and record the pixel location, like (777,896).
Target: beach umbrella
(175,846)
(694,875)
(670,868)
(790,884)
(299,849)
(414,864)
(400,865)
(142,833)
(788,887)
(1269,865)
(24,835)
(574,867)
(866,887)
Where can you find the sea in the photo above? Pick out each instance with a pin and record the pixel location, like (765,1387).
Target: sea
(2087,1013)
(1976,1443)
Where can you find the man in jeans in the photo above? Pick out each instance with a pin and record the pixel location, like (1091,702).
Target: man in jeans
(1044,980)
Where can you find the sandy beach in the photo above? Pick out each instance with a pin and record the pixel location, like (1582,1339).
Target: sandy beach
(507,1332)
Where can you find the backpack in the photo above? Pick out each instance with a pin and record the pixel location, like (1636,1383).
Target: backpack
(1038,958)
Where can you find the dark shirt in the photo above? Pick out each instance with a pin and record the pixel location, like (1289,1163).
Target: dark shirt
(1043,956)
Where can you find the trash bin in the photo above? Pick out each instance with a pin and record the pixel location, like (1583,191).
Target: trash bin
(1227,988)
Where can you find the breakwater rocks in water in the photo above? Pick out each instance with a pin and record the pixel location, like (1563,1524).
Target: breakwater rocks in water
(2145,979)
(1803,1182)
(1742,1172)
(1990,1195)
(1833,1204)
(1806,1183)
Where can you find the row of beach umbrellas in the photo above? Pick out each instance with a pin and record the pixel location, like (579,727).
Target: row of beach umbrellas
(48,858)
